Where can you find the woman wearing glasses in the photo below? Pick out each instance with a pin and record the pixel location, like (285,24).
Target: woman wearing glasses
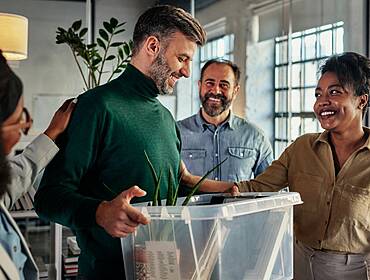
(15,258)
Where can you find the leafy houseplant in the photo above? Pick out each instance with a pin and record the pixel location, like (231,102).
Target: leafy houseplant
(95,55)
(172,191)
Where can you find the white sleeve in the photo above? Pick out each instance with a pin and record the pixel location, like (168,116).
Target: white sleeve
(26,166)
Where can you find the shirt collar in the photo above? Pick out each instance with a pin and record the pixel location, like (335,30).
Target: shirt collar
(200,121)
(324,137)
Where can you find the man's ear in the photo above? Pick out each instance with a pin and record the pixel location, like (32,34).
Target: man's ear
(236,91)
(152,46)
(199,84)
(363,101)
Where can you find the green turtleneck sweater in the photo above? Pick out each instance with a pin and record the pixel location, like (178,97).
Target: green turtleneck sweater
(111,127)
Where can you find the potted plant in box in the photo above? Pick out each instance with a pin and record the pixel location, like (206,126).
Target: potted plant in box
(160,235)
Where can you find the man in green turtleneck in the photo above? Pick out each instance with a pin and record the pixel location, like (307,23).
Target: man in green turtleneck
(104,145)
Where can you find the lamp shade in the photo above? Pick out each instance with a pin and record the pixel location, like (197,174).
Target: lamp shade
(13,36)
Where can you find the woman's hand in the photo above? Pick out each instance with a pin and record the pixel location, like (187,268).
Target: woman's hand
(234,190)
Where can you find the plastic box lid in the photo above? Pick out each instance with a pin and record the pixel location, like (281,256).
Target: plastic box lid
(199,207)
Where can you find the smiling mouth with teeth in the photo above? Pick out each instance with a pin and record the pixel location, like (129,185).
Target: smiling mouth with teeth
(327,113)
(214,99)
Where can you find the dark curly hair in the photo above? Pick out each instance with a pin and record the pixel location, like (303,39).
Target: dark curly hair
(4,171)
(352,70)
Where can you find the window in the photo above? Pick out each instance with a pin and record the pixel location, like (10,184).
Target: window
(294,108)
(222,47)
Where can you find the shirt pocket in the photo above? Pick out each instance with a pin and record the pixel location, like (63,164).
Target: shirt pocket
(195,160)
(355,203)
(240,163)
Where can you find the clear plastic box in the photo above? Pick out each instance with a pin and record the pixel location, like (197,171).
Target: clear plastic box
(249,238)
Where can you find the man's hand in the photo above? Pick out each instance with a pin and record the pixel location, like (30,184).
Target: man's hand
(60,119)
(118,217)
(186,177)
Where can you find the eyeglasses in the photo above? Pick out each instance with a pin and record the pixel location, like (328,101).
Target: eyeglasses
(26,118)
(24,123)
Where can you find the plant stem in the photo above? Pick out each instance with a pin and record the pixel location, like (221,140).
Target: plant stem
(127,60)
(105,55)
(79,68)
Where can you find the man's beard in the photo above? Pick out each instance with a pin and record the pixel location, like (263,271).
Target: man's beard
(214,110)
(160,72)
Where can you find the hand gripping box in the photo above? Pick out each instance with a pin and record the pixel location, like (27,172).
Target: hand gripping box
(248,237)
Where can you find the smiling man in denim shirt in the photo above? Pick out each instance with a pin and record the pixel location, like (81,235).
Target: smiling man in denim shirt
(215,133)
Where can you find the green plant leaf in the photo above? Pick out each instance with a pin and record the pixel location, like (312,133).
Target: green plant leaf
(126,48)
(103,34)
(116,44)
(117,71)
(169,201)
(111,57)
(101,43)
(82,32)
(77,25)
(119,31)
(175,196)
(155,178)
(113,192)
(159,189)
(156,196)
(108,27)
(61,30)
(113,22)
(96,61)
(91,46)
(198,184)
(121,24)
(120,53)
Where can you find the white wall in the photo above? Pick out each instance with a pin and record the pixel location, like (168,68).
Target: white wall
(259,85)
(50,69)
(312,13)
(124,11)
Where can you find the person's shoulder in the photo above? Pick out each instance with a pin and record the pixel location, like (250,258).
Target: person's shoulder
(187,123)
(308,137)
(245,124)
(305,140)
(102,91)
(99,95)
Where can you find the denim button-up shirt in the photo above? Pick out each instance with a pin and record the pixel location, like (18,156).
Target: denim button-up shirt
(11,242)
(204,145)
